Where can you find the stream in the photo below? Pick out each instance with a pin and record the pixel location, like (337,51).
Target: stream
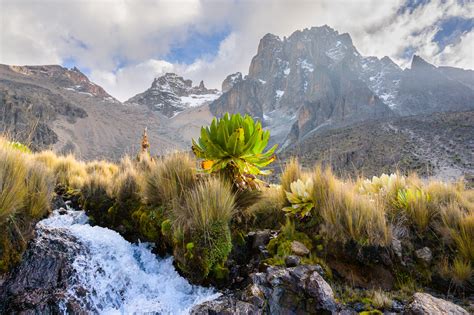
(113,276)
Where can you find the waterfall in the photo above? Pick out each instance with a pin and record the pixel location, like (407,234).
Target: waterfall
(113,276)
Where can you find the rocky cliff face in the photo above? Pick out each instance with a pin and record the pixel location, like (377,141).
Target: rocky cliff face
(171,94)
(316,79)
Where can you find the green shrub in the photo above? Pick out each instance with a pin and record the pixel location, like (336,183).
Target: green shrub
(234,145)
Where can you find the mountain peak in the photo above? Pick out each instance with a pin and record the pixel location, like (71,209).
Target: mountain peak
(171,94)
(419,63)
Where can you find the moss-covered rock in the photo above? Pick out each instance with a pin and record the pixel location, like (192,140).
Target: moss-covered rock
(203,256)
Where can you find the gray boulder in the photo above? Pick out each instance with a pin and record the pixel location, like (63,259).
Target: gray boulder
(424,303)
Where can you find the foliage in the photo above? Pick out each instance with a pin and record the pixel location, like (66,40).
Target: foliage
(415,204)
(19,146)
(234,145)
(300,198)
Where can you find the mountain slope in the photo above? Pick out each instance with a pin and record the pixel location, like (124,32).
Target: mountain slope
(439,145)
(51,106)
(170,94)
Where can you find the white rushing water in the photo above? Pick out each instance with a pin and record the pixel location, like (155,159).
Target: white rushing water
(124,278)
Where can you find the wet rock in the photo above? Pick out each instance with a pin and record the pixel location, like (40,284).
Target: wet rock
(298,289)
(299,248)
(260,238)
(226,305)
(424,254)
(424,303)
(292,261)
(39,283)
(278,290)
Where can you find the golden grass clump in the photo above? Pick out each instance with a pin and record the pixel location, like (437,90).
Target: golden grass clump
(415,204)
(40,185)
(25,194)
(70,172)
(102,167)
(462,271)
(168,178)
(13,171)
(47,157)
(348,215)
(464,237)
(210,201)
(291,173)
(126,184)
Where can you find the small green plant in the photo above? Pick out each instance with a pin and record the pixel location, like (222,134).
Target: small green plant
(234,145)
(415,203)
(300,198)
(19,146)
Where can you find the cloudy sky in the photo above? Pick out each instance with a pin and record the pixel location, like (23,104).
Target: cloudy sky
(123,44)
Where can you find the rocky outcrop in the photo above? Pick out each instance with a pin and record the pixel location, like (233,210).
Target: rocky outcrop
(226,305)
(230,81)
(171,94)
(40,283)
(424,303)
(278,290)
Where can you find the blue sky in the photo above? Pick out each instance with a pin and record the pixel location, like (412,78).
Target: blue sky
(123,45)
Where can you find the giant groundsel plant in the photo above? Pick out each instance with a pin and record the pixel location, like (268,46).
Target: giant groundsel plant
(234,145)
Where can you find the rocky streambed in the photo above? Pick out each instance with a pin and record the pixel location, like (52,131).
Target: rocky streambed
(72,267)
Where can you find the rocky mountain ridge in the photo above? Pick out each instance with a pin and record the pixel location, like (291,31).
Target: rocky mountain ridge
(316,79)
(59,108)
(171,94)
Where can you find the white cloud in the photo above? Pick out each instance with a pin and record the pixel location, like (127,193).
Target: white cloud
(100,35)
(460,54)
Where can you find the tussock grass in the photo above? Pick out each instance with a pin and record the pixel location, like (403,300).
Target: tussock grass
(462,271)
(291,173)
(70,172)
(168,178)
(126,183)
(13,190)
(26,188)
(39,184)
(210,201)
(102,167)
(346,214)
(267,211)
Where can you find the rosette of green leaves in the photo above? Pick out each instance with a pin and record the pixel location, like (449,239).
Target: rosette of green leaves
(300,198)
(236,145)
